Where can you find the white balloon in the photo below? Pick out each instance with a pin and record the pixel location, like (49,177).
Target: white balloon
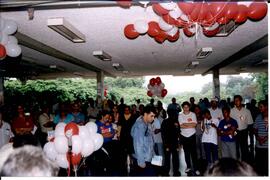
(168,6)
(87,147)
(62,161)
(141,26)
(12,40)
(92,127)
(10,27)
(213,27)
(175,13)
(60,129)
(4,38)
(61,144)
(172,32)
(83,132)
(13,50)
(76,144)
(184,17)
(98,141)
(164,26)
(50,151)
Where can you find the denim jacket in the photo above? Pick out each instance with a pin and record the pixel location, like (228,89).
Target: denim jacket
(143,141)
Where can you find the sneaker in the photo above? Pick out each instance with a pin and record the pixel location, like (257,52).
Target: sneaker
(187,170)
(197,173)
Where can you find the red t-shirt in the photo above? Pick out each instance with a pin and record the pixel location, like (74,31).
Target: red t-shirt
(22,122)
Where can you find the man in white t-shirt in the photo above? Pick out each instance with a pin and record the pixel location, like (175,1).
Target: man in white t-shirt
(243,118)
(210,137)
(216,112)
(158,146)
(5,132)
(188,122)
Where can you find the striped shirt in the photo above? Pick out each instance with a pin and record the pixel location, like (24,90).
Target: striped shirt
(262,128)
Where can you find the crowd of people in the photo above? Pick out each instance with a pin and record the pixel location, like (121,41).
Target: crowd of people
(142,140)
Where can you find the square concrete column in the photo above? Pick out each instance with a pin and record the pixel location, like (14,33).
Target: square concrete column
(100,88)
(216,83)
(1,91)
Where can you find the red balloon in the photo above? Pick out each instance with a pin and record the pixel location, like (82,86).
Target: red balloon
(158,81)
(175,37)
(161,37)
(124,3)
(187,32)
(223,20)
(75,158)
(149,93)
(3,52)
(159,10)
(130,32)
(179,22)
(195,12)
(203,12)
(186,7)
(231,10)
(164,92)
(71,129)
(218,9)
(242,14)
(208,20)
(211,33)
(153,29)
(152,81)
(168,19)
(257,10)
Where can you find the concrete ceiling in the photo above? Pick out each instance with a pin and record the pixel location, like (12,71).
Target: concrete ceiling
(103,25)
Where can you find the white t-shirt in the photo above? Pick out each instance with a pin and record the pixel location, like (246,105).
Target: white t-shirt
(187,118)
(216,114)
(157,125)
(5,134)
(210,133)
(243,117)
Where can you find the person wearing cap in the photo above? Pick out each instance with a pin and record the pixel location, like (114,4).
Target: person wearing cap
(216,112)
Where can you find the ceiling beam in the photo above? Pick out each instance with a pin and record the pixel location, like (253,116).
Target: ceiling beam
(253,47)
(45,49)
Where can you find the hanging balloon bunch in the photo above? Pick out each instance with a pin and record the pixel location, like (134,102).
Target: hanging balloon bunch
(190,16)
(156,88)
(8,43)
(71,143)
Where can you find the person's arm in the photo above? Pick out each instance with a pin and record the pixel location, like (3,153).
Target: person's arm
(188,125)
(138,137)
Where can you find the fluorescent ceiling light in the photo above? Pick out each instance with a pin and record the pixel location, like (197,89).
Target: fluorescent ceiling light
(102,55)
(67,30)
(204,52)
(226,29)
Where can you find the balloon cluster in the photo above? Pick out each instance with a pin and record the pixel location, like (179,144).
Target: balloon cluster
(156,88)
(190,16)
(8,43)
(72,142)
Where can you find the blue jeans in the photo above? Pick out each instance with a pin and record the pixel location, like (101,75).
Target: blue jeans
(211,152)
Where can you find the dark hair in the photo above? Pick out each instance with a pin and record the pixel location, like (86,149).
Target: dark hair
(104,112)
(149,109)
(126,106)
(206,111)
(264,102)
(226,108)
(239,97)
(185,103)
(230,167)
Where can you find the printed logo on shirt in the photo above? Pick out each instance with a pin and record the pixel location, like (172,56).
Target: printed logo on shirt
(189,119)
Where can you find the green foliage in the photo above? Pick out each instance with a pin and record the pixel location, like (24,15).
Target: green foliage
(261,80)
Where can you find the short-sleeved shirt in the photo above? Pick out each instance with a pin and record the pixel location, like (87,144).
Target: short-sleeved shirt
(103,128)
(262,128)
(23,122)
(157,125)
(210,133)
(216,113)
(243,117)
(78,118)
(227,126)
(187,118)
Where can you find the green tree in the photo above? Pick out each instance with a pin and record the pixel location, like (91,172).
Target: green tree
(261,84)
